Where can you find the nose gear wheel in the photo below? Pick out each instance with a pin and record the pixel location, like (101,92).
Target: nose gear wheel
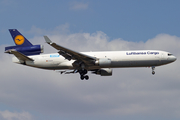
(153,70)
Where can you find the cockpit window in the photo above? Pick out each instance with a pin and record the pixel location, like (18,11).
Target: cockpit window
(169,54)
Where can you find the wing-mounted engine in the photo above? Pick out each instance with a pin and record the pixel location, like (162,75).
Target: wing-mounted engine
(103,62)
(28,50)
(103,72)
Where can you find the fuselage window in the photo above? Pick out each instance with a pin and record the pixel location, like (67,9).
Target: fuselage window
(169,54)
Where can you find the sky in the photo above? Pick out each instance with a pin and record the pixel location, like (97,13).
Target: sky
(91,25)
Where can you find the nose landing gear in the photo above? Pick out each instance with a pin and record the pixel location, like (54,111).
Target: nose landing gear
(153,70)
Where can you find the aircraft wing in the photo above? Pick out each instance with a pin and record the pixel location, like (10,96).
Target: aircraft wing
(20,56)
(71,54)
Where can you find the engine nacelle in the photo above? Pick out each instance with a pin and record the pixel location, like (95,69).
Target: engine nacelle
(103,62)
(104,72)
(29,50)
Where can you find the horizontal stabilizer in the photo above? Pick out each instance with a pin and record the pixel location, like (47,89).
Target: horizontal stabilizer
(21,56)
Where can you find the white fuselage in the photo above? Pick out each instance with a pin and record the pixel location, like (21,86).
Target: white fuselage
(140,58)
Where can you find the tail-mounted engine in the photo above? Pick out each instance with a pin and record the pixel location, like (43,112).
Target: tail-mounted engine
(29,50)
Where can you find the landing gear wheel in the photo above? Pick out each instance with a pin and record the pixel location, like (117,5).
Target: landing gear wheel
(153,68)
(82,77)
(86,77)
(83,73)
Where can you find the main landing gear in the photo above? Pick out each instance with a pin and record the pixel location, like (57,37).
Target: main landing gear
(83,74)
(86,77)
(153,68)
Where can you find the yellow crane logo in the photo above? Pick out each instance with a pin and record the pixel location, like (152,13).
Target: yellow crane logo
(19,40)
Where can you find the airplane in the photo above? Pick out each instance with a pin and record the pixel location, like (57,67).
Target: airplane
(68,61)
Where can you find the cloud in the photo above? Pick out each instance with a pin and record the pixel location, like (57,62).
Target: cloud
(6,115)
(78,6)
(129,92)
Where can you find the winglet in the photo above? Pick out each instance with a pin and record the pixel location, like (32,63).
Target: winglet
(47,40)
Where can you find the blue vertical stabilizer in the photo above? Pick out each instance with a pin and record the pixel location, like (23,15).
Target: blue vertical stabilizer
(19,39)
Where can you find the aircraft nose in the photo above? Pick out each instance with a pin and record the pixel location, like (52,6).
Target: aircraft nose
(173,58)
